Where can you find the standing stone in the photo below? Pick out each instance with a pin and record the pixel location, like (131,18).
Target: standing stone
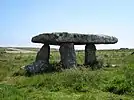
(41,63)
(44,53)
(90,54)
(68,56)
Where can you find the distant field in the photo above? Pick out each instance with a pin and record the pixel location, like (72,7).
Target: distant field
(107,83)
(22,49)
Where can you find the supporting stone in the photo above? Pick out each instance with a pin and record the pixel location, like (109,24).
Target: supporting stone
(68,56)
(44,53)
(41,63)
(90,54)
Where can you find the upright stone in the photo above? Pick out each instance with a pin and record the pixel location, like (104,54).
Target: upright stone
(90,54)
(41,63)
(68,56)
(44,53)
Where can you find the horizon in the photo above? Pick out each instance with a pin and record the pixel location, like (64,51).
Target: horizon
(76,47)
(57,48)
(21,20)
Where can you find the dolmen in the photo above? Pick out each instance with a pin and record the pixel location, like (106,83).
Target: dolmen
(66,41)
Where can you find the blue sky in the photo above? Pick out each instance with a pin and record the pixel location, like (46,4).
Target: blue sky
(22,19)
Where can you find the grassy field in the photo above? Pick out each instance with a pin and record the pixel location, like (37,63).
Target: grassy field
(113,81)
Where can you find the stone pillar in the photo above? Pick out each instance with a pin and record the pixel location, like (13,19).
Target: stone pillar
(41,63)
(44,53)
(90,54)
(68,56)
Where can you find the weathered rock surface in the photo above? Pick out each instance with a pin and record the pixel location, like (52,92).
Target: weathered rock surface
(64,37)
(90,54)
(68,56)
(37,67)
(44,53)
(41,63)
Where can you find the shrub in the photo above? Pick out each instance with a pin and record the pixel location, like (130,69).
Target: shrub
(8,92)
(117,85)
(98,64)
(129,75)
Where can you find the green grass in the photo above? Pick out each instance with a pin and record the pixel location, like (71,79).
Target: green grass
(107,83)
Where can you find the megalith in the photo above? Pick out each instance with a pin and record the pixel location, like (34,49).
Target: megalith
(41,63)
(90,54)
(68,56)
(44,53)
(66,41)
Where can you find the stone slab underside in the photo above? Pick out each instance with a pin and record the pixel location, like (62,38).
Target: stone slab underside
(77,39)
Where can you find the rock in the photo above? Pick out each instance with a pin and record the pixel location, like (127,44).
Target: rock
(44,53)
(113,65)
(77,39)
(37,67)
(68,56)
(67,52)
(90,54)
(132,53)
(22,67)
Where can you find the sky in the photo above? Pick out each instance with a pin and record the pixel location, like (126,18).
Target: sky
(20,20)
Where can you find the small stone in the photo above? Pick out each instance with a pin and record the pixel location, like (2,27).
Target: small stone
(90,54)
(68,56)
(113,65)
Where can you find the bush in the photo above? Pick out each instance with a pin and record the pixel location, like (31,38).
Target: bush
(98,64)
(8,92)
(117,85)
(129,75)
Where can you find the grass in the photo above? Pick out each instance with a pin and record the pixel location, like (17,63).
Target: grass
(107,83)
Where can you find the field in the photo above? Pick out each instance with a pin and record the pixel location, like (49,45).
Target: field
(113,80)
